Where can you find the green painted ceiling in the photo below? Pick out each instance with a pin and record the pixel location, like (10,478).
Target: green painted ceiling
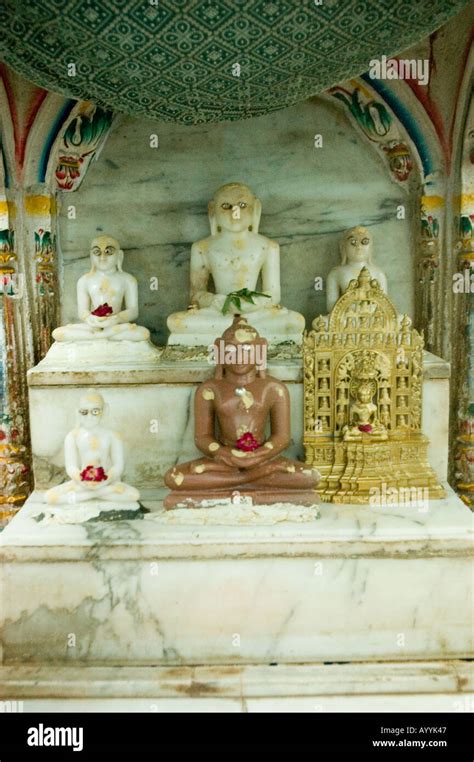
(177,60)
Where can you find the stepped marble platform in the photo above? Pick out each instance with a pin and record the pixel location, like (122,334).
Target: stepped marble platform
(153,408)
(359,585)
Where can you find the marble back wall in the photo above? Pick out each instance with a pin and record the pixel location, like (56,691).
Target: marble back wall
(154,200)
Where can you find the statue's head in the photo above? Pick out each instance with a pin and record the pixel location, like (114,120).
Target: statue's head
(106,254)
(365,392)
(240,348)
(235,209)
(356,245)
(91,409)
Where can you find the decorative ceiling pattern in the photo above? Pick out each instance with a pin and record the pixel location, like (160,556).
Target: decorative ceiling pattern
(194,61)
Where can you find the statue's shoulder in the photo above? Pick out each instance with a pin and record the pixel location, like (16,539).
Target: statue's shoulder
(207,390)
(203,244)
(269,243)
(85,278)
(129,277)
(277,386)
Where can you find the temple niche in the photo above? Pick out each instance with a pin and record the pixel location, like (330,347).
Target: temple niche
(308,197)
(236,431)
(264,227)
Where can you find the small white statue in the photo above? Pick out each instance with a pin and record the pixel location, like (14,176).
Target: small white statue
(101,294)
(235,255)
(356,252)
(94,460)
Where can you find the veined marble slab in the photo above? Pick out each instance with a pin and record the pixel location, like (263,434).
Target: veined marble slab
(153,410)
(380,686)
(358,584)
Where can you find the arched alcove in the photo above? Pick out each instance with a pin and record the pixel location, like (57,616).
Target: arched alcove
(154,200)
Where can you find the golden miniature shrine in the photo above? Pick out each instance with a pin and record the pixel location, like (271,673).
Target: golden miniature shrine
(362,397)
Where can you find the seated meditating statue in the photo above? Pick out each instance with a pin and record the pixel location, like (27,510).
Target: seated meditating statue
(356,252)
(93,459)
(107,299)
(235,255)
(364,418)
(232,410)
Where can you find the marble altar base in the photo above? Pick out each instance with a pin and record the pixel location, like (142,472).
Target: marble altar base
(359,584)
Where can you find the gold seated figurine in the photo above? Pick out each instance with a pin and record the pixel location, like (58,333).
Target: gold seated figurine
(364,421)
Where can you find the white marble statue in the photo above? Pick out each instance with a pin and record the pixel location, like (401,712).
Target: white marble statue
(356,252)
(235,255)
(107,299)
(93,459)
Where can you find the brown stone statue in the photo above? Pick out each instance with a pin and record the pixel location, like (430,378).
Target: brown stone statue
(231,413)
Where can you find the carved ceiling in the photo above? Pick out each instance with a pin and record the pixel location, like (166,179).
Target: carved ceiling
(194,61)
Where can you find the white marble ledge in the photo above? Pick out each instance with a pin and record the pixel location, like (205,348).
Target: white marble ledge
(85,682)
(167,372)
(444,529)
(164,372)
(316,704)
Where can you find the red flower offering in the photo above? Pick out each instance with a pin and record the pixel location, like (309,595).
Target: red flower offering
(247,442)
(365,427)
(93,474)
(103,310)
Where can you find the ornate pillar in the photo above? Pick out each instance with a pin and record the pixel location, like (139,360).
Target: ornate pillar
(463,348)
(60,145)
(40,243)
(16,356)
(30,304)
(429,273)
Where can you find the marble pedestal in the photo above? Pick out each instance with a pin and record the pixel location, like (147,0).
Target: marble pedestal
(102,354)
(153,408)
(358,585)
